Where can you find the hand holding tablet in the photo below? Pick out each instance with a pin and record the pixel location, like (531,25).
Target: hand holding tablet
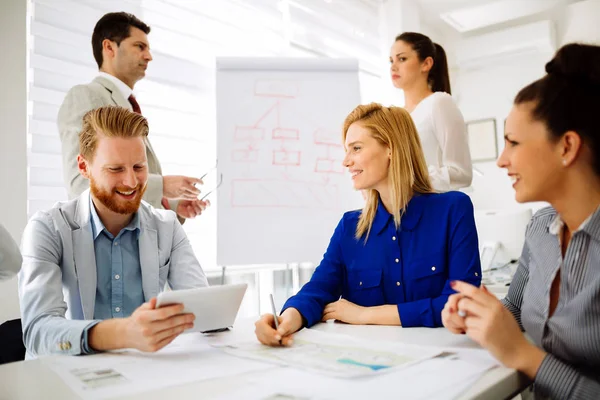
(215,307)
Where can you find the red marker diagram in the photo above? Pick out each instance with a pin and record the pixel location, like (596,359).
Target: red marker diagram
(268,139)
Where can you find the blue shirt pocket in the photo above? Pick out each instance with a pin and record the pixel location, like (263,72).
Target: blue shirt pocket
(426,277)
(364,287)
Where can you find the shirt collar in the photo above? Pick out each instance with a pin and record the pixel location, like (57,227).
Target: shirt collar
(98,226)
(125,90)
(591,225)
(409,219)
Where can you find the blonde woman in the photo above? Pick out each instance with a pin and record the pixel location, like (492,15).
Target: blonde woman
(392,262)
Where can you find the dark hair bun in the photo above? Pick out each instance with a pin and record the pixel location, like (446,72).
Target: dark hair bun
(577,62)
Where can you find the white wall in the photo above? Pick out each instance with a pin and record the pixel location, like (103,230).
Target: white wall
(13,139)
(396,17)
(488,92)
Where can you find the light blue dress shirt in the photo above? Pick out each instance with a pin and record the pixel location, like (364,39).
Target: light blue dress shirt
(119,290)
(118,272)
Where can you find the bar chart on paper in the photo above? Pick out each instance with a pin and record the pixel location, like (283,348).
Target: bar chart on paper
(280,152)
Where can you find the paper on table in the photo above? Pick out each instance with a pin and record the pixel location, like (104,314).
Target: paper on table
(189,358)
(335,355)
(441,378)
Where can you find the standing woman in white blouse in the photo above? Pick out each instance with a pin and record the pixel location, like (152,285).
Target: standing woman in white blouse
(420,69)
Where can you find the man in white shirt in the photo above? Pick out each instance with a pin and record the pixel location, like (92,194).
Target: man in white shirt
(122,52)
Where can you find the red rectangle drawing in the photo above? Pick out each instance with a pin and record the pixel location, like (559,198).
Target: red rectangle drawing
(248,133)
(284,157)
(276,88)
(285,133)
(244,156)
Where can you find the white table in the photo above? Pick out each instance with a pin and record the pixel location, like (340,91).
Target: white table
(33,380)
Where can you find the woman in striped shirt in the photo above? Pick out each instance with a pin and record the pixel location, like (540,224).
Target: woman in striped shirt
(552,153)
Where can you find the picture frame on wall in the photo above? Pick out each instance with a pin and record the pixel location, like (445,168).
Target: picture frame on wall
(483,142)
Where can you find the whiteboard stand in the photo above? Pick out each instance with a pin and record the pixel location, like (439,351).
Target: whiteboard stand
(223,275)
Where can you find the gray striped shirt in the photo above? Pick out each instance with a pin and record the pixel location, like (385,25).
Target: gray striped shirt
(571,336)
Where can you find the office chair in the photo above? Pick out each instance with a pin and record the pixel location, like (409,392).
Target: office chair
(11,342)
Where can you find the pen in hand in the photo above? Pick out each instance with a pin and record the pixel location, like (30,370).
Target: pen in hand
(275,314)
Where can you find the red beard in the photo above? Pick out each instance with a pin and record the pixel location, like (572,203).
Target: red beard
(111,199)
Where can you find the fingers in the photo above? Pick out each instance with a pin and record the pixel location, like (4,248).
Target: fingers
(265,332)
(452,302)
(187,194)
(189,189)
(175,330)
(191,208)
(199,206)
(190,211)
(329,315)
(451,320)
(331,307)
(471,291)
(150,305)
(164,342)
(184,321)
(181,187)
(194,181)
(165,312)
(285,327)
(287,340)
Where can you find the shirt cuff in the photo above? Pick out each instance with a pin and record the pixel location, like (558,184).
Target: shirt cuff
(416,314)
(85,346)
(310,315)
(555,378)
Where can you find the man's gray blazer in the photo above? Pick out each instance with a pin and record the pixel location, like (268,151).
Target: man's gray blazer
(79,100)
(57,281)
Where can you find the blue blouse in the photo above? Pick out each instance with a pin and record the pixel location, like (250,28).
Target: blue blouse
(411,266)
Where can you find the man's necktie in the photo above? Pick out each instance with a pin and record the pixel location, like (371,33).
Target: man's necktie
(134,104)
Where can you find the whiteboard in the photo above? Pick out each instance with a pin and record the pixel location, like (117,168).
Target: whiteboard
(280,153)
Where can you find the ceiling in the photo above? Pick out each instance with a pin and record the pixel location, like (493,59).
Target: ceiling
(468,16)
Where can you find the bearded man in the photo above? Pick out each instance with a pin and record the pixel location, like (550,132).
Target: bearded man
(92,266)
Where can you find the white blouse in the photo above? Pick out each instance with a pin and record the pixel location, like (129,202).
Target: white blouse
(443,134)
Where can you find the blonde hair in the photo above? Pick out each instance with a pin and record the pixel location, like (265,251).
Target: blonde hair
(109,121)
(394,128)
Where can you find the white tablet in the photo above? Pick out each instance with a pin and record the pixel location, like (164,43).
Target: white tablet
(215,307)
